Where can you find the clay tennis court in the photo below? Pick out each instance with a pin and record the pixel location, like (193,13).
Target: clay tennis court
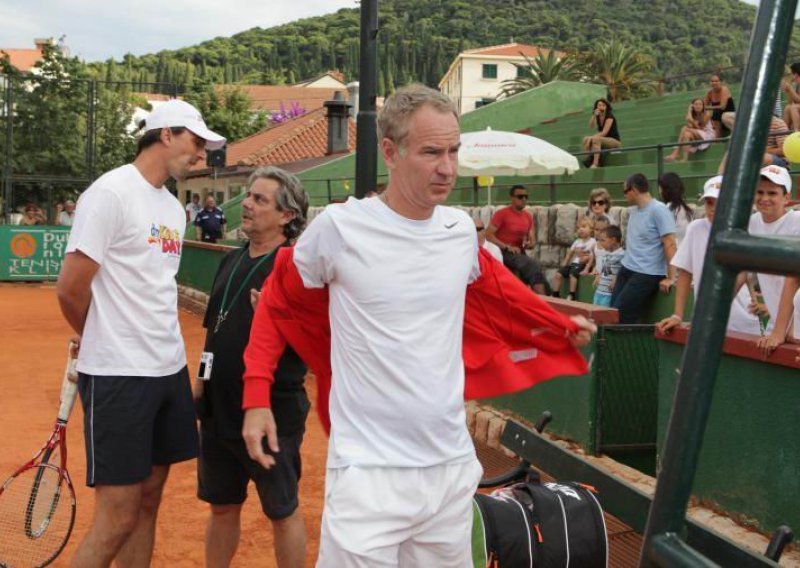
(34,345)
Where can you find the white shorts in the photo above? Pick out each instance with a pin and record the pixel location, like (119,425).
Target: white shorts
(404,517)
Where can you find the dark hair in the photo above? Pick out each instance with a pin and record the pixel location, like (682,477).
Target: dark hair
(672,191)
(717,75)
(609,110)
(514,188)
(152,136)
(795,67)
(638,182)
(613,232)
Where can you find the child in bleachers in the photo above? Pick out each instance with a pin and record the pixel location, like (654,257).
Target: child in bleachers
(600,224)
(608,267)
(578,260)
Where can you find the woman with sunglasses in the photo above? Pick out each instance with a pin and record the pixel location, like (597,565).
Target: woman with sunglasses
(600,206)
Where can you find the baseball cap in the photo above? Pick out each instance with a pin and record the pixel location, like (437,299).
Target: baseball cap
(175,113)
(711,188)
(778,176)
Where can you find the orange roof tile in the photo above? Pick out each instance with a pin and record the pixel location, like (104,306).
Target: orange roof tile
(510,50)
(23,59)
(269,97)
(301,138)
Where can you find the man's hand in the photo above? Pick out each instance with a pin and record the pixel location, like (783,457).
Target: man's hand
(198,388)
(585,331)
(769,343)
(514,250)
(260,423)
(255,296)
(668,324)
(758,309)
(74,350)
(665,285)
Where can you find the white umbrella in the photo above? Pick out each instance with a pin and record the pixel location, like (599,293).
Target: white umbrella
(498,153)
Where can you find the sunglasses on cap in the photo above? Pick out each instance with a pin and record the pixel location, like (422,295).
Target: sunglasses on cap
(599,202)
(521,196)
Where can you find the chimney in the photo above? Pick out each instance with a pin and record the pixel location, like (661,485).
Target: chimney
(352,96)
(338,117)
(41,43)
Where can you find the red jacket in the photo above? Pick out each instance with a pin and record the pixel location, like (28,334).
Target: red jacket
(512,338)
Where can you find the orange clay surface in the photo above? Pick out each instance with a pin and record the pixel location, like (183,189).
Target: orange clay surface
(33,347)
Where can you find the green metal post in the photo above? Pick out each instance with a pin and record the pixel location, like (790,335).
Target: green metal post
(366,134)
(666,522)
(9,148)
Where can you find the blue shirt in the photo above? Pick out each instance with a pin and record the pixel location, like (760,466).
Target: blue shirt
(644,252)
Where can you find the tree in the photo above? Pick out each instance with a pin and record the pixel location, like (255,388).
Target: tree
(623,69)
(227,111)
(541,69)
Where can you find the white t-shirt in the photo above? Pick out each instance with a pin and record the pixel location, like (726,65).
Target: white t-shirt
(397,291)
(691,256)
(494,250)
(772,284)
(193,209)
(580,247)
(682,220)
(134,231)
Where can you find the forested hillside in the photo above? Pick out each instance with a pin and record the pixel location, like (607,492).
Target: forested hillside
(419,38)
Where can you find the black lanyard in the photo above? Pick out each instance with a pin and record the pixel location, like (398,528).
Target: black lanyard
(223,311)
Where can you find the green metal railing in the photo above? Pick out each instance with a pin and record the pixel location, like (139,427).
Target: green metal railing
(730,250)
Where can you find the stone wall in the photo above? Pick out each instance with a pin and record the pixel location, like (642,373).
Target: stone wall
(556,228)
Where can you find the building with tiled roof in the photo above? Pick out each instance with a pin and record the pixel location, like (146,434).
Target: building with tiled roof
(476,76)
(295,145)
(327,80)
(24,59)
(269,98)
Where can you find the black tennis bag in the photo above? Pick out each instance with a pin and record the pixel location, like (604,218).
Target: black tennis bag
(543,525)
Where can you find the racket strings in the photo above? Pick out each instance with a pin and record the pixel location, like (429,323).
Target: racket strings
(36,516)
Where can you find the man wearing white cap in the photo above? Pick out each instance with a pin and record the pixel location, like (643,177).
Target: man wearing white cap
(117,290)
(689,260)
(773,220)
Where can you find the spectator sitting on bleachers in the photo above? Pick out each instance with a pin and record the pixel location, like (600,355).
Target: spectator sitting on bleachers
(791,114)
(512,229)
(33,215)
(718,100)
(600,204)
(788,310)
(608,264)
(689,261)
(773,155)
(698,127)
(578,260)
(608,133)
(671,190)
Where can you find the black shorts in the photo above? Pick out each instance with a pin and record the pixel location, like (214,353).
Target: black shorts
(131,424)
(571,270)
(224,469)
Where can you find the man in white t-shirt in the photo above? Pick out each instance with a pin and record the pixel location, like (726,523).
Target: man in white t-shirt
(689,261)
(117,290)
(772,219)
(193,208)
(401,465)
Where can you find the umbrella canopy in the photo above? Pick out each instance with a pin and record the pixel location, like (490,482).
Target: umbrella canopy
(499,153)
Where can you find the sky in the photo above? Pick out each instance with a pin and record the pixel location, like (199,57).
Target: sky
(98,29)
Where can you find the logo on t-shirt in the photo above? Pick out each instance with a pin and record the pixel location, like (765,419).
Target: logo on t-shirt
(170,239)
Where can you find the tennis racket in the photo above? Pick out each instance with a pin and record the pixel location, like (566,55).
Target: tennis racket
(37,503)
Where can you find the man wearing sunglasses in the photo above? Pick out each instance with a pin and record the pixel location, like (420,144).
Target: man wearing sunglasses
(512,229)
